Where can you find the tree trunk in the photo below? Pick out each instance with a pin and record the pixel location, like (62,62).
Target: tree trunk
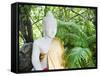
(25,28)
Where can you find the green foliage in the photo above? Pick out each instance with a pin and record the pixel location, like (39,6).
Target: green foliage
(73,34)
(78,41)
(79,58)
(89,28)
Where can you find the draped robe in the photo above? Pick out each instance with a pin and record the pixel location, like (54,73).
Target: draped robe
(55,55)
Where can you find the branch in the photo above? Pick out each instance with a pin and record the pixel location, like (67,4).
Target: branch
(36,21)
(36,25)
(77,14)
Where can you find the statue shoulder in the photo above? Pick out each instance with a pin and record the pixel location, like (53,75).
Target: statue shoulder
(38,41)
(57,41)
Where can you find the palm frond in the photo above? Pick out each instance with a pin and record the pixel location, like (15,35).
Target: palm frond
(91,39)
(79,58)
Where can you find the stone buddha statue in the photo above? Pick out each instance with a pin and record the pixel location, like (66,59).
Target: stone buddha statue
(47,51)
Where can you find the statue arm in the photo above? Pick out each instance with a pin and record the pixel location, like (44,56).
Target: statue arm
(35,57)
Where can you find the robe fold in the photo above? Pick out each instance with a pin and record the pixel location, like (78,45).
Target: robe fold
(55,54)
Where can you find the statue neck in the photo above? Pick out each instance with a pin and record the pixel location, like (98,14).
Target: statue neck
(48,38)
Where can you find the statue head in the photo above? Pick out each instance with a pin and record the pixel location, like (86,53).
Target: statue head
(49,25)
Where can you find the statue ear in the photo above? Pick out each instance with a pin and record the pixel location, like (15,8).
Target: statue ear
(43,26)
(43,21)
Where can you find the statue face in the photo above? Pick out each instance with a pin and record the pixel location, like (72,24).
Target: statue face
(50,25)
(51,31)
